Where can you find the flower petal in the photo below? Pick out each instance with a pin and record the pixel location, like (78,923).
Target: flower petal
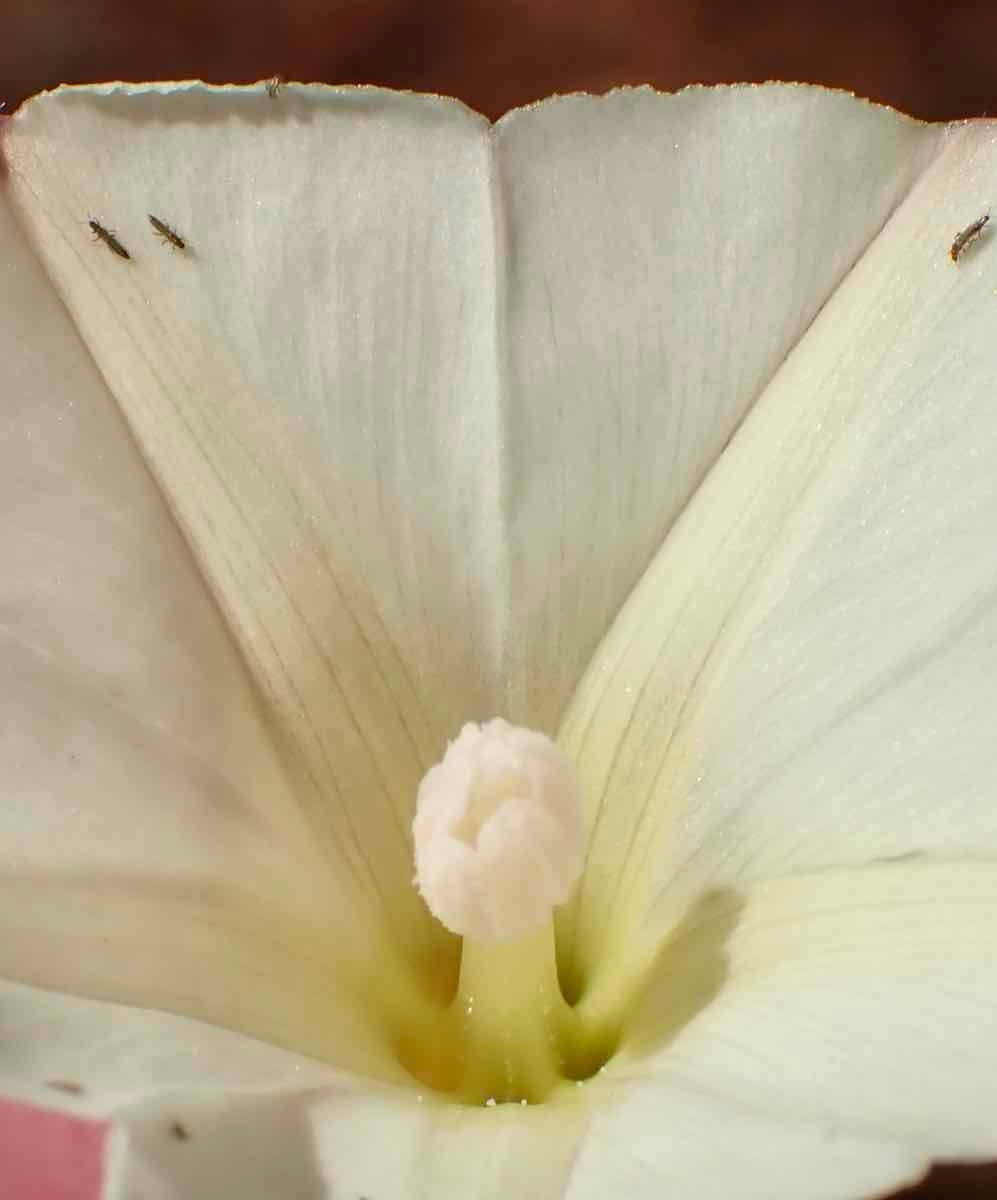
(186,1099)
(831,1034)
(48,1155)
(433,491)
(453,365)
(93,1057)
(441,1151)
(153,850)
(277,375)
(807,673)
(675,1137)
(827,1032)
(663,254)
(316,1145)
(256,1122)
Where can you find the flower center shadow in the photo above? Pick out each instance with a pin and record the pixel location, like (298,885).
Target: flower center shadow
(682,980)
(686,975)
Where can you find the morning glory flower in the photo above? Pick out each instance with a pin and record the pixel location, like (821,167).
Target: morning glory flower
(609,491)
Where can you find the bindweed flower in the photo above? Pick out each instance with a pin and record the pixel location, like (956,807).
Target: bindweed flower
(618,481)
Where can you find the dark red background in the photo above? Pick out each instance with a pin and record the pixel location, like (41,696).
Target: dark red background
(936,62)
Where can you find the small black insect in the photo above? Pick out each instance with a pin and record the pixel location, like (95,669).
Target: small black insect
(179,1131)
(108,238)
(967,237)
(167,234)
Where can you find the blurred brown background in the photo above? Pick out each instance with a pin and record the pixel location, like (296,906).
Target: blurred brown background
(933,61)
(936,62)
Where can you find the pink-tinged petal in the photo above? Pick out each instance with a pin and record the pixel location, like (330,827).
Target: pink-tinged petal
(50,1155)
(200,1113)
(196,1111)
(740,1076)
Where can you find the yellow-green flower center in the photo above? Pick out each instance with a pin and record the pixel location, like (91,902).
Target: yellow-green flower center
(499,840)
(508,1035)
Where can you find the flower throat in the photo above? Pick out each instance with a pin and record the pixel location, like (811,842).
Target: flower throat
(499,841)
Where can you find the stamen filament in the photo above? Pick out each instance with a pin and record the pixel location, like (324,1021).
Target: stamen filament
(499,841)
(514,1031)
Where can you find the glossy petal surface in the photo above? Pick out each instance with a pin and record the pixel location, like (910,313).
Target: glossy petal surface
(152,849)
(412,448)
(813,1037)
(806,676)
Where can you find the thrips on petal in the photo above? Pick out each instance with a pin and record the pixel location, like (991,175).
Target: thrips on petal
(166,233)
(108,238)
(967,237)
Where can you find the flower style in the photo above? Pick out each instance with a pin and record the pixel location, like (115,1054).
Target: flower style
(661,424)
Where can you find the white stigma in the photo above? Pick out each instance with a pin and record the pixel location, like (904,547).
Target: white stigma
(498,831)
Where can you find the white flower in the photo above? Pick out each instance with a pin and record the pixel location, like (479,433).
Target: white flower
(662,423)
